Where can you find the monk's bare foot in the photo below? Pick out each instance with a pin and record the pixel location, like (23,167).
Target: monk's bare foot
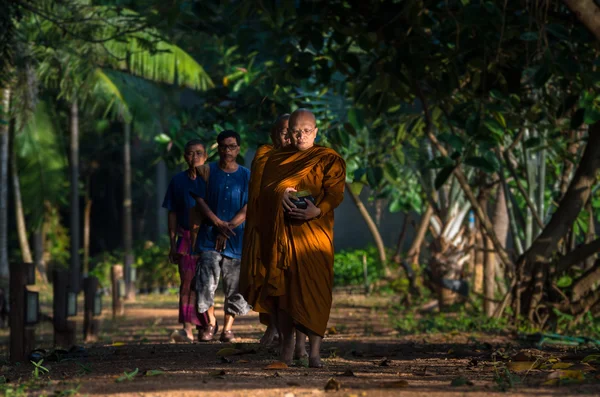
(315,362)
(270,336)
(300,353)
(287,351)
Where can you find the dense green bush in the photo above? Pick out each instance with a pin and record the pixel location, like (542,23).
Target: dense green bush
(348,267)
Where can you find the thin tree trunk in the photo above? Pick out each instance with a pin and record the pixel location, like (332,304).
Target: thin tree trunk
(38,253)
(372,228)
(161,189)
(4,272)
(127,214)
(591,233)
(87,217)
(500,220)
(19,213)
(75,264)
(401,239)
(412,256)
(501,226)
(489,279)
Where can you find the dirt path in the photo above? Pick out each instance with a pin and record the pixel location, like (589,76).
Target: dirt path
(362,353)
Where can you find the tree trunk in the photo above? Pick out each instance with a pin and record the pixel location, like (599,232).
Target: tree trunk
(500,221)
(372,228)
(161,189)
(4,271)
(412,256)
(127,214)
(19,214)
(532,262)
(401,238)
(75,264)
(38,253)
(87,218)
(501,226)
(587,12)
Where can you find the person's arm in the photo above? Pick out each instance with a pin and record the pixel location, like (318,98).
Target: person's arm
(334,180)
(172,221)
(239,218)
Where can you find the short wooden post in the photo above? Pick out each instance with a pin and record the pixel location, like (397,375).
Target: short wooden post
(64,330)
(18,282)
(23,313)
(90,324)
(116,275)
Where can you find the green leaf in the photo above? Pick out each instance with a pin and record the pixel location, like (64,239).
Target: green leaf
(481,163)
(396,205)
(440,162)
(453,140)
(564,281)
(529,36)
(356,187)
(443,176)
(591,115)
(391,171)
(356,119)
(374,176)
(162,138)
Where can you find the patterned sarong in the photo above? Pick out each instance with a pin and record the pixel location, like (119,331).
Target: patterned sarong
(187,292)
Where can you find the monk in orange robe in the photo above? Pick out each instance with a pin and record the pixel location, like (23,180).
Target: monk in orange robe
(252,272)
(296,246)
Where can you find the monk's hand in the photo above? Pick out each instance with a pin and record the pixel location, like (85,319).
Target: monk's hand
(311,211)
(225,228)
(221,243)
(287,202)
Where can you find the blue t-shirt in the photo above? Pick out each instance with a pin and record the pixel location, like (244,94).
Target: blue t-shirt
(179,199)
(225,195)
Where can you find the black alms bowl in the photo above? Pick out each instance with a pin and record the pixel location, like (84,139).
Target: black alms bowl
(301,202)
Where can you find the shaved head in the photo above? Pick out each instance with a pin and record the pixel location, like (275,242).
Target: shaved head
(303,129)
(303,115)
(279,131)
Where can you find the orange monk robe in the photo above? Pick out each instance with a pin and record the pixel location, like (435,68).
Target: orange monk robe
(252,272)
(298,256)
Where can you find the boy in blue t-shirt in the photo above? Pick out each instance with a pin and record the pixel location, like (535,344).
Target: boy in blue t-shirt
(222,201)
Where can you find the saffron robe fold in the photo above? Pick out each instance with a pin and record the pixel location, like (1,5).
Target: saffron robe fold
(298,255)
(252,272)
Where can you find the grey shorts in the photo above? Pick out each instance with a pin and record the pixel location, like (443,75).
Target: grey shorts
(210,267)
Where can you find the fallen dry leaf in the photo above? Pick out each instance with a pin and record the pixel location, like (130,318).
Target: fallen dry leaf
(332,331)
(243,361)
(217,373)
(332,384)
(118,344)
(561,365)
(277,365)
(518,366)
(563,375)
(394,385)
(584,367)
(348,372)
(591,358)
(228,351)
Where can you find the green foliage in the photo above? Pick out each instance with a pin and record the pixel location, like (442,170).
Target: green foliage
(348,267)
(462,321)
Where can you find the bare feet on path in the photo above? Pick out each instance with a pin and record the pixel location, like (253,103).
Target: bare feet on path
(361,352)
